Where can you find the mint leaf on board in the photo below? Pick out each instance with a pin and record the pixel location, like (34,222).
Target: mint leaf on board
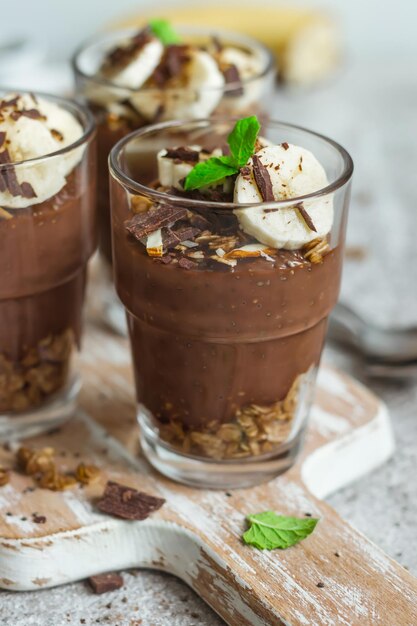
(269,531)
(242,139)
(241,142)
(214,170)
(163,30)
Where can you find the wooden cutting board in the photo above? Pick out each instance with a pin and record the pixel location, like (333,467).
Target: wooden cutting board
(196,534)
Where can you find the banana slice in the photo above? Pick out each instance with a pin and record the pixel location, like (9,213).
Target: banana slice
(173,169)
(294,172)
(137,72)
(248,66)
(197,97)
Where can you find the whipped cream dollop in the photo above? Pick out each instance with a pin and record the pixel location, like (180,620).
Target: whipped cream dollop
(177,80)
(33,127)
(283,172)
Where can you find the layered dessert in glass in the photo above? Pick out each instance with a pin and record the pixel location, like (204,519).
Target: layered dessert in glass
(130,79)
(47,235)
(228,245)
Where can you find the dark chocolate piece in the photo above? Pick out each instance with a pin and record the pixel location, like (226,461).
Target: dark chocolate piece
(232,77)
(122,55)
(285,145)
(262,179)
(102,583)
(173,60)
(187,264)
(172,238)
(2,138)
(183,154)
(33,114)
(38,519)
(128,503)
(27,191)
(306,217)
(147,222)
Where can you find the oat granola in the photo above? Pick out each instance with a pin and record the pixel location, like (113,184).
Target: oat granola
(254,430)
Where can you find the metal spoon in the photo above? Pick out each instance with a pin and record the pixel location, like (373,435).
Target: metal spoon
(383,349)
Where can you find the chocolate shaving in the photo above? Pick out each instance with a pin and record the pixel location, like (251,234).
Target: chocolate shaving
(33,114)
(306,217)
(187,264)
(102,583)
(2,138)
(58,136)
(147,222)
(27,191)
(8,179)
(5,104)
(262,179)
(128,503)
(285,145)
(217,44)
(183,154)
(121,56)
(199,221)
(232,77)
(173,60)
(172,238)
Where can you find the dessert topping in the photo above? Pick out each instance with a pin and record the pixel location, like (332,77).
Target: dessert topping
(128,503)
(32,127)
(143,224)
(262,179)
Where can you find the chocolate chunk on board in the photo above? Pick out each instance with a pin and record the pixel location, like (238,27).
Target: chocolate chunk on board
(102,583)
(262,179)
(187,264)
(127,503)
(147,222)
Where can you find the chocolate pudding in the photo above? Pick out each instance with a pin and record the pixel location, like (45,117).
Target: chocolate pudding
(47,235)
(226,306)
(130,79)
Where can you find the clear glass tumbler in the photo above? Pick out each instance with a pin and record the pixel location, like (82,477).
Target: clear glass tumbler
(225,354)
(44,249)
(116,113)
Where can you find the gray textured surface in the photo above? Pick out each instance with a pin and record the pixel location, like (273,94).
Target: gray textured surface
(371,110)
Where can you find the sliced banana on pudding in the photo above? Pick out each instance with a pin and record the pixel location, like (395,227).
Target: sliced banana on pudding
(187,84)
(176,163)
(282,172)
(241,67)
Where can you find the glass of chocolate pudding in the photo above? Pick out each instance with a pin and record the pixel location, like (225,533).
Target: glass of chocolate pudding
(132,78)
(227,249)
(47,235)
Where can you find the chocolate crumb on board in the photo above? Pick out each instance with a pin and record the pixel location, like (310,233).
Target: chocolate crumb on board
(147,222)
(128,503)
(102,583)
(262,179)
(306,217)
(38,519)
(320,585)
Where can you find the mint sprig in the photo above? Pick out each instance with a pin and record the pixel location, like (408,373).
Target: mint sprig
(241,142)
(269,531)
(164,31)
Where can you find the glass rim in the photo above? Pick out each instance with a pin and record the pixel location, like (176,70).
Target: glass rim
(161,196)
(227,87)
(89,125)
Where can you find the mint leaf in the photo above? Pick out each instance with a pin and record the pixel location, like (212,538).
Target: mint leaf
(269,530)
(241,142)
(164,31)
(209,172)
(242,139)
